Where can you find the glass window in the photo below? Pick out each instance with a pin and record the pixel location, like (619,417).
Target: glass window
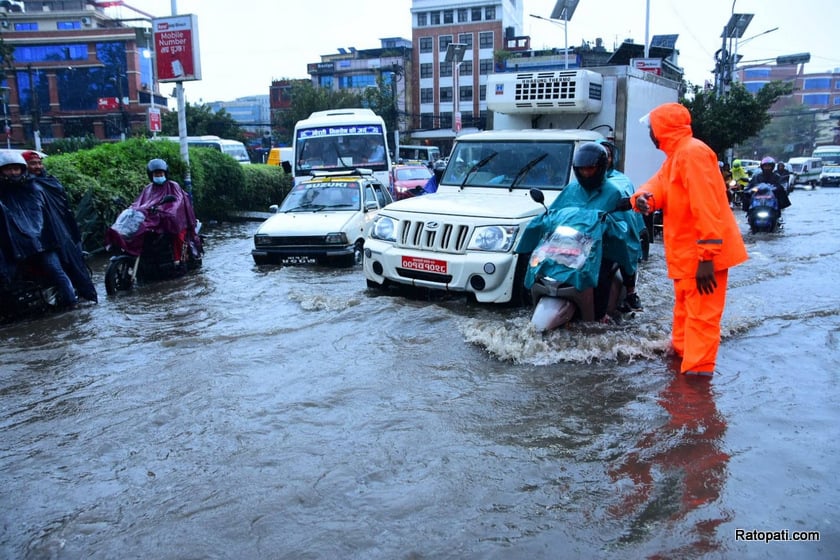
(816,83)
(467,39)
(33,91)
(485,66)
(79,88)
(426,44)
(426,70)
(443,42)
(482,92)
(466,68)
(815,99)
(448,16)
(476,14)
(465,93)
(356,81)
(463,15)
(427,95)
(836,101)
(446,94)
(325,81)
(754,87)
(445,69)
(68,25)
(435,18)
(51,53)
(26,26)
(490,13)
(485,40)
(421,19)
(752,73)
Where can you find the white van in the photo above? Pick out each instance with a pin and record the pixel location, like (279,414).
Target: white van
(805,170)
(426,155)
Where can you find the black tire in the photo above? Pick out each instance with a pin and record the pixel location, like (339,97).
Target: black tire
(520,295)
(118,276)
(260,260)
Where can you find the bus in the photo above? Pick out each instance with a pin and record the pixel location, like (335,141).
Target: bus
(427,155)
(233,148)
(828,154)
(341,139)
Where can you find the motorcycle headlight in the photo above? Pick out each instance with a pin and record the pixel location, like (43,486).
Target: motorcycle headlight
(384,228)
(498,239)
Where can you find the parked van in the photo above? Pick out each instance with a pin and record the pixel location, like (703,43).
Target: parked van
(426,155)
(805,170)
(282,157)
(233,148)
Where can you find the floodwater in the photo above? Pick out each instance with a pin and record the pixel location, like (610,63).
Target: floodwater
(267,412)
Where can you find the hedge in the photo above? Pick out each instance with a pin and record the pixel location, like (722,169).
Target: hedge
(104,180)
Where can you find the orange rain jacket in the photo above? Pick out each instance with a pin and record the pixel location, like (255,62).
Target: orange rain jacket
(689,189)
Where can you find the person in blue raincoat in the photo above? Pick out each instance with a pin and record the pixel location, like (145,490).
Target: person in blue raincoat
(632,302)
(591,191)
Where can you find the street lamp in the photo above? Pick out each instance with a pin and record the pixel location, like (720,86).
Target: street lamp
(455,55)
(4,92)
(734,29)
(565,9)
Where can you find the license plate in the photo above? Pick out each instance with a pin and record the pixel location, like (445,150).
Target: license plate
(424,265)
(298,260)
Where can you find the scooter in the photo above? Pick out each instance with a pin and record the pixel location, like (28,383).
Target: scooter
(566,275)
(143,242)
(763,209)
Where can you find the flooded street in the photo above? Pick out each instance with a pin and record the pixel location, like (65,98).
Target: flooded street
(267,412)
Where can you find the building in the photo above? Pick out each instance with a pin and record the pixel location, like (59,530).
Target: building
(75,72)
(253,113)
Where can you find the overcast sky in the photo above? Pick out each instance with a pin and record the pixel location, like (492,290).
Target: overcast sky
(247,43)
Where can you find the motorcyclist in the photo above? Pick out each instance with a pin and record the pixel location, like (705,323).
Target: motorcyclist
(26,233)
(769,176)
(784,175)
(592,189)
(433,183)
(178,217)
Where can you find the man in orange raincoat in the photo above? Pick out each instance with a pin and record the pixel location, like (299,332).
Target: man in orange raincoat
(701,236)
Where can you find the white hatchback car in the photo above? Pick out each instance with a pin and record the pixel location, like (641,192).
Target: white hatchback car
(324,219)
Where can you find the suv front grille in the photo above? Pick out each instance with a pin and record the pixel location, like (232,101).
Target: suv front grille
(440,237)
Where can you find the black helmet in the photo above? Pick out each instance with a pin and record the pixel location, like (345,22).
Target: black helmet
(157,164)
(590,154)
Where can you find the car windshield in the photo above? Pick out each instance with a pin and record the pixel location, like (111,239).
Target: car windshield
(521,165)
(316,197)
(409,173)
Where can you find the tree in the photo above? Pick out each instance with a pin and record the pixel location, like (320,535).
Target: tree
(723,121)
(382,101)
(306,99)
(201,120)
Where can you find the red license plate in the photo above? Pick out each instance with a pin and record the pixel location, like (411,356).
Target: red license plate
(424,265)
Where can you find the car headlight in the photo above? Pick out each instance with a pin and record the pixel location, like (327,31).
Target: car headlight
(262,240)
(384,228)
(337,238)
(493,238)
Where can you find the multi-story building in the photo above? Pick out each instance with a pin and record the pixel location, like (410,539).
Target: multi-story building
(74,72)
(252,113)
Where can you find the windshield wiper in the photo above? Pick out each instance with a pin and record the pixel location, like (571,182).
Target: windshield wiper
(524,171)
(306,207)
(476,167)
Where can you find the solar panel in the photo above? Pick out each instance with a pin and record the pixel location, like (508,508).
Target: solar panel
(664,41)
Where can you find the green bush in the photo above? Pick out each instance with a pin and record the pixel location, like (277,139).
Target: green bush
(104,180)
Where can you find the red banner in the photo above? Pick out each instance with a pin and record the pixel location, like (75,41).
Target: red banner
(107,103)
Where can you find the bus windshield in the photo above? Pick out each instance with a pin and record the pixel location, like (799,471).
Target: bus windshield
(333,148)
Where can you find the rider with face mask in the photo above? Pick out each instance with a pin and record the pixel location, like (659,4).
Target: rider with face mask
(769,176)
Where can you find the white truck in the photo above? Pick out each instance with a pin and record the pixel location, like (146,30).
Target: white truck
(462,238)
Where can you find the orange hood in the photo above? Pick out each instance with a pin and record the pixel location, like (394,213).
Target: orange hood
(670,123)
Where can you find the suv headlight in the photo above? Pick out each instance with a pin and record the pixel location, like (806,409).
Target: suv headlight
(498,239)
(384,228)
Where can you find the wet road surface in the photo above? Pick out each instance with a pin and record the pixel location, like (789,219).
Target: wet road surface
(266,412)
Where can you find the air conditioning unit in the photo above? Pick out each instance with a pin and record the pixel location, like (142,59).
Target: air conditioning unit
(86,21)
(551,91)
(5,23)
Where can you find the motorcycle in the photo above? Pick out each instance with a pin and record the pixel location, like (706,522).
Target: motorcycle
(763,209)
(143,239)
(566,274)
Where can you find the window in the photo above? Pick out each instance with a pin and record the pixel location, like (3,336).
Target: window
(463,15)
(325,82)
(466,118)
(446,94)
(752,73)
(68,25)
(427,121)
(754,87)
(482,93)
(816,83)
(426,44)
(446,120)
(27,26)
(476,14)
(79,88)
(356,82)
(465,93)
(443,42)
(421,19)
(815,99)
(427,95)
(490,13)
(836,101)
(448,16)
(426,70)
(485,40)
(51,53)
(466,68)
(445,69)
(485,66)
(435,18)
(467,39)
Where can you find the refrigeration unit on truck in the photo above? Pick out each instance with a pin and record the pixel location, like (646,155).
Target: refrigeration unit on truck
(461,239)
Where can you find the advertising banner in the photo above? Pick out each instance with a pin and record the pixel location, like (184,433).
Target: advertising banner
(155,123)
(176,48)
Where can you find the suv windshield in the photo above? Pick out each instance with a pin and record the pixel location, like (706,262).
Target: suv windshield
(511,161)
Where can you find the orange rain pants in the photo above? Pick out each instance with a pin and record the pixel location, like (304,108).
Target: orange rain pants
(695,333)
